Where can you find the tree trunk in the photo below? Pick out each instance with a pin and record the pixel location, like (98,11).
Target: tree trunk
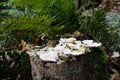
(77,4)
(72,70)
(90,66)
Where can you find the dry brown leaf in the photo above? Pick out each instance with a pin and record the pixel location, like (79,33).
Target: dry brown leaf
(22,45)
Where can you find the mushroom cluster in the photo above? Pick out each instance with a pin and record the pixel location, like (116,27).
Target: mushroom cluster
(66,47)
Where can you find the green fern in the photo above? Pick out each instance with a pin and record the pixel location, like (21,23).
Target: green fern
(65,18)
(97,26)
(26,23)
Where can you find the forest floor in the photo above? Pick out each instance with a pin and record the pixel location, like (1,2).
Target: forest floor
(114,66)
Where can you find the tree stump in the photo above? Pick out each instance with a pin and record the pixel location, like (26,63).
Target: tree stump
(72,70)
(90,66)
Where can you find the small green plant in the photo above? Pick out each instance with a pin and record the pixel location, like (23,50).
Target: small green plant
(97,26)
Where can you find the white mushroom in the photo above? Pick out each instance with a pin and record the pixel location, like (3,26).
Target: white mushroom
(87,41)
(69,40)
(90,43)
(48,56)
(66,47)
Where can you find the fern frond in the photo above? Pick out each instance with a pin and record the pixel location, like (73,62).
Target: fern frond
(26,23)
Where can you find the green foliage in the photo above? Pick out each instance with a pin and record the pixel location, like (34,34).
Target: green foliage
(97,26)
(97,64)
(114,21)
(26,23)
(23,27)
(40,16)
(36,5)
(95,23)
(2,3)
(8,39)
(66,18)
(56,17)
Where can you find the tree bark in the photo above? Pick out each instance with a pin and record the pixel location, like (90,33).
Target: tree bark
(72,70)
(77,4)
(90,66)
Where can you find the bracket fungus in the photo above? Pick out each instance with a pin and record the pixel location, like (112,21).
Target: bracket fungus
(65,48)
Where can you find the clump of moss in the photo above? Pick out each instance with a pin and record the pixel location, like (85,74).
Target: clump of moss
(97,65)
